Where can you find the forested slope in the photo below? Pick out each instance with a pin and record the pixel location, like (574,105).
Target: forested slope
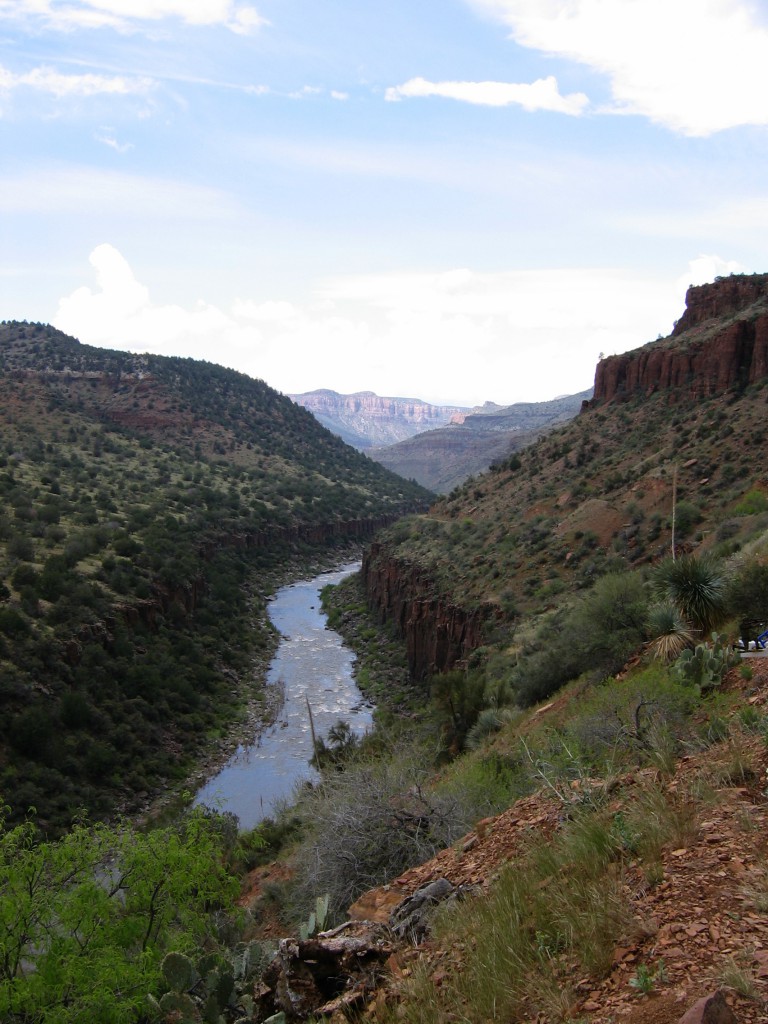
(139,496)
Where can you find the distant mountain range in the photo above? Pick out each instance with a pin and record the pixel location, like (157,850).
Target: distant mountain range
(444,458)
(365,419)
(439,446)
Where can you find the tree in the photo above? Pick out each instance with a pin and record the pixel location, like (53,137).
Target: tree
(85,921)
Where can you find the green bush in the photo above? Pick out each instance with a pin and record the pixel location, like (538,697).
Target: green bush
(752,503)
(597,635)
(87,920)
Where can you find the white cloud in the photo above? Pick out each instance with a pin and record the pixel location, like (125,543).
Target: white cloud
(120,312)
(542,94)
(49,80)
(706,268)
(306,90)
(124,15)
(455,336)
(695,66)
(107,138)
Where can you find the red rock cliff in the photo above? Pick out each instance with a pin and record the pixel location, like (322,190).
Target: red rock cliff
(720,342)
(438,634)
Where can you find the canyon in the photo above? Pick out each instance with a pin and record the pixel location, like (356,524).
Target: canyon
(593,492)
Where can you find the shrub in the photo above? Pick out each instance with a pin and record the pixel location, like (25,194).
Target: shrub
(368,824)
(598,635)
(82,941)
(752,503)
(687,515)
(747,598)
(697,587)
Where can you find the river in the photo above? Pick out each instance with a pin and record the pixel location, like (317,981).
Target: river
(311,663)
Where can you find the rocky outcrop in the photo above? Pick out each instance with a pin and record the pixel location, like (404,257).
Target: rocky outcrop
(727,296)
(711,1009)
(438,634)
(364,418)
(719,344)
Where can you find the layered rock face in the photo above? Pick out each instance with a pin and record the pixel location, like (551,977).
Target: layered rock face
(438,634)
(365,419)
(720,343)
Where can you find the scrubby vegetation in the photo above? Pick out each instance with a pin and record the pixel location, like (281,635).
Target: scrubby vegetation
(598,671)
(88,920)
(145,505)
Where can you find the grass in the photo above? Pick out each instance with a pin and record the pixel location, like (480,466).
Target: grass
(558,909)
(554,914)
(740,979)
(736,763)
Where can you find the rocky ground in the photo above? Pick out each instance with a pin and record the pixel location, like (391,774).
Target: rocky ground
(705,920)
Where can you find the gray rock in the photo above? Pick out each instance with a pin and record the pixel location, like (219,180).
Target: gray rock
(711,1009)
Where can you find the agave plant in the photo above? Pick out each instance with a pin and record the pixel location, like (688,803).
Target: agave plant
(670,632)
(696,587)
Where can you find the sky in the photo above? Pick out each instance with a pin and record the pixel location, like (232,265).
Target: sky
(455,200)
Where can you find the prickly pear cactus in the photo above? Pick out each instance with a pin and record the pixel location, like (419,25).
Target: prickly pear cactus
(705,666)
(321,911)
(316,921)
(182,1005)
(219,987)
(178,971)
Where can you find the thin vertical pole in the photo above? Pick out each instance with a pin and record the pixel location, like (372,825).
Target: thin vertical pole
(312,730)
(674,508)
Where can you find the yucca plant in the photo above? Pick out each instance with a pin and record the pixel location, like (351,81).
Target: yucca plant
(670,632)
(696,586)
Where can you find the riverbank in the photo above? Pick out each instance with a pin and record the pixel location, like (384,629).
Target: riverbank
(381,670)
(260,704)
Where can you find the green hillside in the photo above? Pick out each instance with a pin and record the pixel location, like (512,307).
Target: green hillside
(141,498)
(675,459)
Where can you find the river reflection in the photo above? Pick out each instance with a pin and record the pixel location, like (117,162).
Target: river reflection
(311,663)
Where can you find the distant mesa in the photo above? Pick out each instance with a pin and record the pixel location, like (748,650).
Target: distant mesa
(365,419)
(442,459)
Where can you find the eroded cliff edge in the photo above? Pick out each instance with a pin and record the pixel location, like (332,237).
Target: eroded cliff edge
(720,343)
(438,633)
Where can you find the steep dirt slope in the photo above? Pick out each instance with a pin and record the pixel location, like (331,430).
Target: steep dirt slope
(696,921)
(706,918)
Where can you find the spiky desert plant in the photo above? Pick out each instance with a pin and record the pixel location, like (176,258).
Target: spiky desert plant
(670,632)
(697,587)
